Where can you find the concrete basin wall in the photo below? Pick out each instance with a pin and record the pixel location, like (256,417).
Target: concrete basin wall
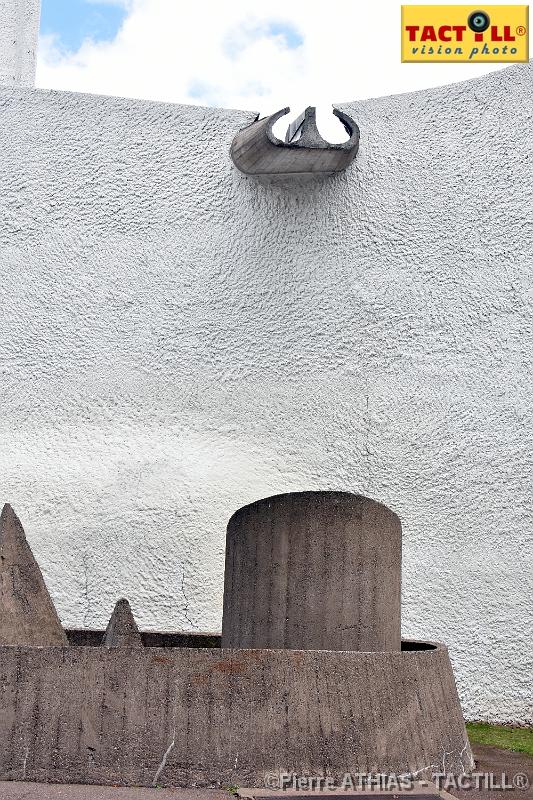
(208,716)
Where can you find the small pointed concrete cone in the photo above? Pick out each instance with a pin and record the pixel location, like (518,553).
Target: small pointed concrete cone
(122,630)
(27,615)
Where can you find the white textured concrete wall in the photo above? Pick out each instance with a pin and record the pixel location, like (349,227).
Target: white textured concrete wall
(19,28)
(178,340)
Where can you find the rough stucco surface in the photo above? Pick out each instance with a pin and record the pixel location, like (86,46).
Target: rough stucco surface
(19,24)
(178,340)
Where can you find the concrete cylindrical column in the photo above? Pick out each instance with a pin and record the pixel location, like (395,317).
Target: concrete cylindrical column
(313,571)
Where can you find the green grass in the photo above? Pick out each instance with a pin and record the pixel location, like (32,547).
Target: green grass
(518,739)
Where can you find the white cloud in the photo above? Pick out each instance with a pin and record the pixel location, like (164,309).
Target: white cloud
(236,55)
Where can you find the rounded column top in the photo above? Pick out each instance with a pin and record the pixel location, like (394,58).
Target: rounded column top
(313,570)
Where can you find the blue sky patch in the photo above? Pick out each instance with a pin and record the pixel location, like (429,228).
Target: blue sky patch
(75,20)
(293,38)
(245,35)
(210,95)
(203,92)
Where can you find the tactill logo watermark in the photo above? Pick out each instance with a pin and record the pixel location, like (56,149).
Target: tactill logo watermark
(451,33)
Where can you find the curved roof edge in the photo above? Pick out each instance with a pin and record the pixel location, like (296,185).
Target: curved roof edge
(518,67)
(479,79)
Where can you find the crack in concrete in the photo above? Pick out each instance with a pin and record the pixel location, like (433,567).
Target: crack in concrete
(166,754)
(26,754)
(445,754)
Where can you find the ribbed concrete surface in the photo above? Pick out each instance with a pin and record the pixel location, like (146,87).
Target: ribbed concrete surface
(488,759)
(224,717)
(47,791)
(313,570)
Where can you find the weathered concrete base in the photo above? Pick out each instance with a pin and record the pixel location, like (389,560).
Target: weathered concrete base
(15,790)
(490,760)
(215,717)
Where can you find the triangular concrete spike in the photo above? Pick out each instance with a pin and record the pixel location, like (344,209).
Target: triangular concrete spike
(27,614)
(122,630)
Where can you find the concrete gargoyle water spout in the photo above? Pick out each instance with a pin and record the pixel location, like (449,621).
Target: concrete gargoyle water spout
(256,150)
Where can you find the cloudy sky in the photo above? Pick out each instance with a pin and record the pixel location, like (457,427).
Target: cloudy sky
(236,54)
